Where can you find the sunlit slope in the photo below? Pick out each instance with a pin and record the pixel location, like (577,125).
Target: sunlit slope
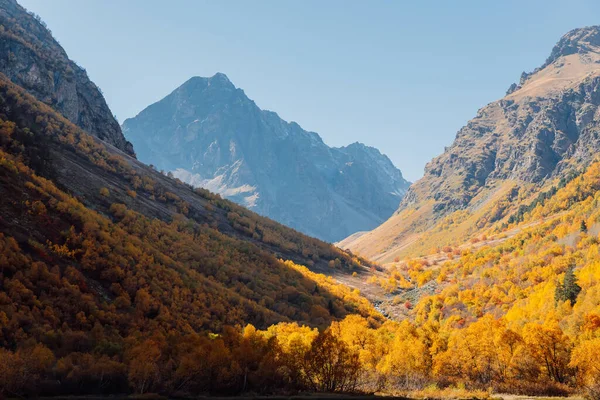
(514,272)
(545,129)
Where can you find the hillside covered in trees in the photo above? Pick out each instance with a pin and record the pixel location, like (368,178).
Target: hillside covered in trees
(102,255)
(516,308)
(116,279)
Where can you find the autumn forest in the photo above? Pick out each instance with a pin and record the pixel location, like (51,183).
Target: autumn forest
(117,278)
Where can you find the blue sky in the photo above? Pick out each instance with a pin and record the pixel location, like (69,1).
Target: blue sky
(402,76)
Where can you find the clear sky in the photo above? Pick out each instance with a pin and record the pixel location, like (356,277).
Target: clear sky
(402,76)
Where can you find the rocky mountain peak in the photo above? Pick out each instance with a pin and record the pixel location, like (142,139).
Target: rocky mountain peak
(577,41)
(220,79)
(373,156)
(361,147)
(577,51)
(545,128)
(210,134)
(196,87)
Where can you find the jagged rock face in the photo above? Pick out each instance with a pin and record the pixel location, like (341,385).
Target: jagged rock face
(32,59)
(546,125)
(208,133)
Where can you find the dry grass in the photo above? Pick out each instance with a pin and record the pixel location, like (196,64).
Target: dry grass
(559,77)
(407,234)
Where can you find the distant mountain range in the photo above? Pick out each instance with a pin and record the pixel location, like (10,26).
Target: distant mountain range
(210,134)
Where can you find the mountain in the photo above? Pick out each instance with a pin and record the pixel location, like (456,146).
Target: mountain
(99,252)
(31,58)
(116,279)
(545,128)
(102,257)
(210,134)
(73,202)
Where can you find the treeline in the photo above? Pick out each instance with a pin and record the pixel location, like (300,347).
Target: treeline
(284,358)
(540,200)
(349,356)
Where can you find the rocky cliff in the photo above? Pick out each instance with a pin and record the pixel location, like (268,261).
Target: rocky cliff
(210,134)
(32,59)
(545,127)
(547,124)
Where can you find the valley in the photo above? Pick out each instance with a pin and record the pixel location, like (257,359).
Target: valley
(174,257)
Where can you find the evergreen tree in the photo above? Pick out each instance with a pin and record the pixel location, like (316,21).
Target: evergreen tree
(569,289)
(583,228)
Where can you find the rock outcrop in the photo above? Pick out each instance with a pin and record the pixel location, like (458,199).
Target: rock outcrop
(547,124)
(545,127)
(31,58)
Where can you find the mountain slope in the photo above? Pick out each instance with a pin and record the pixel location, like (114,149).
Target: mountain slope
(114,278)
(208,133)
(99,241)
(101,255)
(31,58)
(93,196)
(546,128)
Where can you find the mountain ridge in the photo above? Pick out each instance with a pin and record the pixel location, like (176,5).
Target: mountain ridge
(544,129)
(31,58)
